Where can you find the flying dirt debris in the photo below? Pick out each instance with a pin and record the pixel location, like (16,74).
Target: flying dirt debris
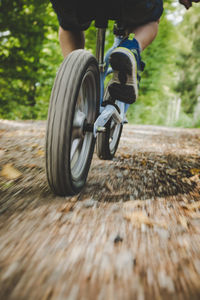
(132,233)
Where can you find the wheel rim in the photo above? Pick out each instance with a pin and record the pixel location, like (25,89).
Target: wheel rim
(85,111)
(114,134)
(114,129)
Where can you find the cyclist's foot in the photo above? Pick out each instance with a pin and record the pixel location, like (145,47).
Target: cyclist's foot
(127,65)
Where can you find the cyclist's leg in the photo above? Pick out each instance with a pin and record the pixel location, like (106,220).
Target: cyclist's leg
(71,40)
(73,19)
(127,65)
(146,34)
(125,60)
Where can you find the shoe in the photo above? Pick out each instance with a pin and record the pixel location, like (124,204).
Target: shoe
(126,63)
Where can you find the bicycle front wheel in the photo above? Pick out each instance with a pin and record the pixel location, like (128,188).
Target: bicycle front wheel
(74,103)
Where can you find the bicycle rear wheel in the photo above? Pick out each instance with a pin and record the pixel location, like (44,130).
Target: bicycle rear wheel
(108,141)
(74,103)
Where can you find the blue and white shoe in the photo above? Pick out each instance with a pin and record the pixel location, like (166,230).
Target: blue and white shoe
(127,66)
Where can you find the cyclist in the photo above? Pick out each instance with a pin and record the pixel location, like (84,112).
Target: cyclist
(140,16)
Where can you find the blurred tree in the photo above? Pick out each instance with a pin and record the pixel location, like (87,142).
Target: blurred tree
(156,87)
(30,55)
(189,60)
(24,29)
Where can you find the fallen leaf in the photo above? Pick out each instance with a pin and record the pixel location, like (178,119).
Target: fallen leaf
(195,178)
(40,153)
(193,206)
(183,221)
(184,198)
(67,208)
(144,162)
(109,186)
(125,155)
(163,161)
(195,171)
(171,171)
(34,146)
(186,180)
(139,218)
(74,199)
(135,203)
(10,173)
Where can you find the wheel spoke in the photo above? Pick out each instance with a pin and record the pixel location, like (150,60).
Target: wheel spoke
(75,150)
(112,129)
(113,124)
(84,99)
(78,123)
(85,110)
(81,99)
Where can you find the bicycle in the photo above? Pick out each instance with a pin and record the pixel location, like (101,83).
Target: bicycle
(80,113)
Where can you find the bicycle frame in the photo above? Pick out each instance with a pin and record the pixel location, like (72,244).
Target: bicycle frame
(109,111)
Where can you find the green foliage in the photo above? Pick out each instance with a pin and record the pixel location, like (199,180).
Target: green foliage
(189,62)
(30,56)
(26,63)
(157,78)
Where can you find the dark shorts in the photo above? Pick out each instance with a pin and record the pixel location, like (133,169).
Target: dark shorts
(78,14)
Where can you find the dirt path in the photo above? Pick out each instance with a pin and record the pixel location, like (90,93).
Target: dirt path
(133,233)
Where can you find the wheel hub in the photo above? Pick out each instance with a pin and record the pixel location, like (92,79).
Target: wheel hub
(79,124)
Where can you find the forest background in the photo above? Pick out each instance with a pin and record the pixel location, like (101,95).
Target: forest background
(30,56)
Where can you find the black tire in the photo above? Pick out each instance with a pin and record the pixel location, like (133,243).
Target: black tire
(108,141)
(76,91)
